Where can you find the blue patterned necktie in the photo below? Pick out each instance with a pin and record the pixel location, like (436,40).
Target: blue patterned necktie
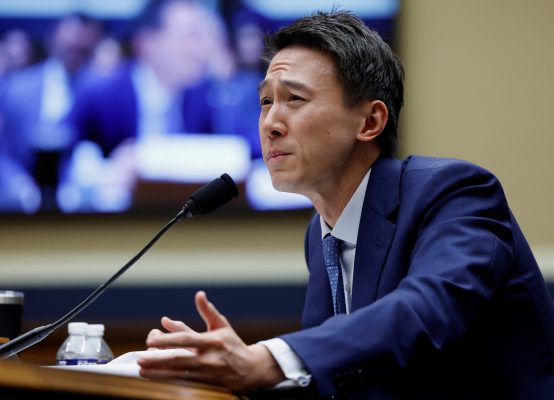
(332,248)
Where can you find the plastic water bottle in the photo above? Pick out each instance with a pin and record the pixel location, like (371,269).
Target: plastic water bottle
(95,338)
(75,350)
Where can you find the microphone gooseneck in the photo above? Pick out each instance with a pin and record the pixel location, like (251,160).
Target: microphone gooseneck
(206,199)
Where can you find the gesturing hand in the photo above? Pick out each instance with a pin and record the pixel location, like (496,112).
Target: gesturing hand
(219,356)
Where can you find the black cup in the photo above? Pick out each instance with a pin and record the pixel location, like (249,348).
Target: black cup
(11,313)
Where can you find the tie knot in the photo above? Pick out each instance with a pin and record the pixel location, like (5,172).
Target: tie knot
(331,249)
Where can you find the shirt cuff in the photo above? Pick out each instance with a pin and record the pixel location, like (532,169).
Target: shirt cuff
(290,364)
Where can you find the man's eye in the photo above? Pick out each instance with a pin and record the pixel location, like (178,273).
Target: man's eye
(265,101)
(296,98)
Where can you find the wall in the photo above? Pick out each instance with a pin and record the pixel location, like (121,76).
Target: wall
(480,86)
(86,250)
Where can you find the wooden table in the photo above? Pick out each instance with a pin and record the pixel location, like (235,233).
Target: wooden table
(25,381)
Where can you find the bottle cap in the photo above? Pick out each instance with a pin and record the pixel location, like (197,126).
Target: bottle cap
(77,327)
(95,329)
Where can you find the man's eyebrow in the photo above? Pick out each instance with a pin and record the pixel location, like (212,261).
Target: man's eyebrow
(262,84)
(292,84)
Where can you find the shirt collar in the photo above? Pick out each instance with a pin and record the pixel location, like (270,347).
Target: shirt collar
(346,228)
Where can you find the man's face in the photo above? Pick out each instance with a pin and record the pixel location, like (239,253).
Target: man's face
(307,133)
(74,42)
(182,45)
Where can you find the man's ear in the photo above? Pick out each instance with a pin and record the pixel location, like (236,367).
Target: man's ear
(376,116)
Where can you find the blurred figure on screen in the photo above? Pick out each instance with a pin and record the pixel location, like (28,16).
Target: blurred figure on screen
(162,90)
(18,191)
(37,99)
(16,51)
(236,98)
(107,57)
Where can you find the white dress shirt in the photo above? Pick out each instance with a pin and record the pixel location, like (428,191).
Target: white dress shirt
(158,107)
(346,229)
(49,132)
(56,96)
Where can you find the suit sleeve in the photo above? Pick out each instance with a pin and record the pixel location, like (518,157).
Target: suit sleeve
(459,223)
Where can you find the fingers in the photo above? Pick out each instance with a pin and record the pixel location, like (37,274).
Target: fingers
(163,340)
(187,340)
(168,361)
(180,367)
(175,326)
(186,374)
(155,332)
(171,326)
(162,368)
(181,336)
(218,356)
(208,312)
(158,366)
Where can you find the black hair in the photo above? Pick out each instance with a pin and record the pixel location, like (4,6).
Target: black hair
(150,17)
(83,19)
(367,67)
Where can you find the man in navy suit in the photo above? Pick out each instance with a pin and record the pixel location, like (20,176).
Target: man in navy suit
(37,100)
(421,283)
(164,90)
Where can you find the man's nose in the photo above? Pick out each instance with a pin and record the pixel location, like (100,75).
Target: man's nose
(273,122)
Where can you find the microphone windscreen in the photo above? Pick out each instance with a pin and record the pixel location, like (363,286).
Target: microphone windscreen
(213,195)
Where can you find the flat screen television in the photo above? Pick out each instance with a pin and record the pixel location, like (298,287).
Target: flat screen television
(48,165)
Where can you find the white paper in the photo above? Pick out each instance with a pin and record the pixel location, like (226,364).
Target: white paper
(126,364)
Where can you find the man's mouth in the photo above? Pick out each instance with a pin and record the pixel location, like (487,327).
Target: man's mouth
(277,154)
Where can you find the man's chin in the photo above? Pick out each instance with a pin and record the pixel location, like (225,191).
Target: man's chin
(281,184)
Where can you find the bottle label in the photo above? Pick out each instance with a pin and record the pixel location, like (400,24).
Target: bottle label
(78,361)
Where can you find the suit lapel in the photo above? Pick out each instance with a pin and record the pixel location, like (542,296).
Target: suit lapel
(376,230)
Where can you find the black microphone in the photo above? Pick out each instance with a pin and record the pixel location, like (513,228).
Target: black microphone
(206,199)
(210,196)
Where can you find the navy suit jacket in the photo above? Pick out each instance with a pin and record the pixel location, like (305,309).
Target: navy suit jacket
(448,301)
(21,108)
(106,110)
